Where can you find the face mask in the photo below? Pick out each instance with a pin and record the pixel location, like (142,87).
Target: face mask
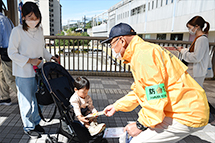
(116,55)
(32,23)
(191,32)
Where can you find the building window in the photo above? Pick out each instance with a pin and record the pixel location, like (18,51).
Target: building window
(136,10)
(147,36)
(152,4)
(166,2)
(149,6)
(52,30)
(156,3)
(176,37)
(161,2)
(172,1)
(132,12)
(161,36)
(144,7)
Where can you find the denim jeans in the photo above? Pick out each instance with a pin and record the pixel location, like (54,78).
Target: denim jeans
(26,88)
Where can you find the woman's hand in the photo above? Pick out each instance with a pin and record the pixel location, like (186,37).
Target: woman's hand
(34,62)
(55,58)
(180,48)
(82,118)
(132,129)
(109,110)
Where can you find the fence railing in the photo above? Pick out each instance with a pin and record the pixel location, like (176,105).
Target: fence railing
(86,56)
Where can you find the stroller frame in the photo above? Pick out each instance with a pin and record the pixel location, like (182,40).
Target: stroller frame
(60,84)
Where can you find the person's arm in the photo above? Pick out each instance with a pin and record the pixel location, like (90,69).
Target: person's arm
(1,32)
(13,52)
(90,106)
(75,103)
(199,50)
(126,103)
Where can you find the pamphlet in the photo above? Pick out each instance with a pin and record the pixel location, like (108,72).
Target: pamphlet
(95,114)
(115,132)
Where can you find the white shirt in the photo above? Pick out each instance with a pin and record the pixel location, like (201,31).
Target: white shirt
(199,58)
(77,102)
(24,45)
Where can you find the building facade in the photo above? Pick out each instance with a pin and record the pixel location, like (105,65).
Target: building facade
(51,15)
(157,19)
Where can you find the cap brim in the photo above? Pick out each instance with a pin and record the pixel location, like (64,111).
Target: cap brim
(107,40)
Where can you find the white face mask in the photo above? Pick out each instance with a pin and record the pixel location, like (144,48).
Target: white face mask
(117,55)
(191,32)
(32,23)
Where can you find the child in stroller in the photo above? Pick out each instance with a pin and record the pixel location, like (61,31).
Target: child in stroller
(83,105)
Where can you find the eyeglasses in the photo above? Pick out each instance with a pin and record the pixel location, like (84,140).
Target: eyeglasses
(110,45)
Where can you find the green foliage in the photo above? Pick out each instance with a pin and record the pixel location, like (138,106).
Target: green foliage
(72,42)
(88,24)
(57,41)
(73,28)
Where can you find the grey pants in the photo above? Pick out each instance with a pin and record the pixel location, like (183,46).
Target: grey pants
(7,80)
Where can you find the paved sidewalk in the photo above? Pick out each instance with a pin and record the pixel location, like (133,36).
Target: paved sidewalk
(104,91)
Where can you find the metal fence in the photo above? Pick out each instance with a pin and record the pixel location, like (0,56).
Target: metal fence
(86,56)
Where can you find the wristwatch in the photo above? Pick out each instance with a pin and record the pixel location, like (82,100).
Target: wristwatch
(140,126)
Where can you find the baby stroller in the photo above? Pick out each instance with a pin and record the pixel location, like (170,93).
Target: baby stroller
(60,85)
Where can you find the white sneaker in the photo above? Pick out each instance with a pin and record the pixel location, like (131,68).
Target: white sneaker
(96,128)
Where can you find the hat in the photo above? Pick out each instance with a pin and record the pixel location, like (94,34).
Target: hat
(120,29)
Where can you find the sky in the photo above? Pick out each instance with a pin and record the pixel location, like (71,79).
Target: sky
(76,9)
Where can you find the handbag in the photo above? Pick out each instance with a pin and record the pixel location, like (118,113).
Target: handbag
(43,95)
(4,55)
(210,73)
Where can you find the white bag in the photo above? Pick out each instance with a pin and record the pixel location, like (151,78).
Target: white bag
(210,73)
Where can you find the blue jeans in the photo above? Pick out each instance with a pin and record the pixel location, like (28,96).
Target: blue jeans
(26,88)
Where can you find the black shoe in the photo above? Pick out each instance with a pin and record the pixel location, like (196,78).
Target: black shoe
(5,102)
(33,134)
(39,129)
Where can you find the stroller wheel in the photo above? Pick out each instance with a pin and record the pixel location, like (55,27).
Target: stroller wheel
(51,139)
(104,141)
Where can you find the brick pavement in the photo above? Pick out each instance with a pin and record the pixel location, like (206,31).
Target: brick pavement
(104,91)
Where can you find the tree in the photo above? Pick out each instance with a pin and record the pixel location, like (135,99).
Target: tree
(89,24)
(72,42)
(61,41)
(73,28)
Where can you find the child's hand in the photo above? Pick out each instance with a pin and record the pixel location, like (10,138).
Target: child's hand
(83,119)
